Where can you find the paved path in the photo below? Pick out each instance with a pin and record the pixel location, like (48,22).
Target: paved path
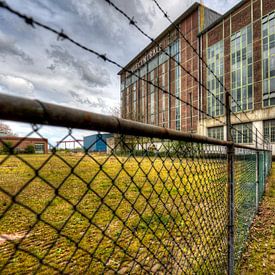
(260,255)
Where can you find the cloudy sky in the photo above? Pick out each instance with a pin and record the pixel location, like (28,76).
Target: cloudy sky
(34,64)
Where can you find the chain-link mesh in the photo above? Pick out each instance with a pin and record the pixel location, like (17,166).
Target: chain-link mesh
(248,192)
(245,196)
(143,206)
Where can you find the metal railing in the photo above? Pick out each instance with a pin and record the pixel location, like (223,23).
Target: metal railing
(157,201)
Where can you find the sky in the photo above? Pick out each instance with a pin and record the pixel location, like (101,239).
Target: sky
(35,64)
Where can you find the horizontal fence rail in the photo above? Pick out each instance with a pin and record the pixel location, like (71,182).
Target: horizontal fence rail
(153,201)
(133,198)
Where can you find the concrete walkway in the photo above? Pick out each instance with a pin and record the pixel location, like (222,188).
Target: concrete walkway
(260,255)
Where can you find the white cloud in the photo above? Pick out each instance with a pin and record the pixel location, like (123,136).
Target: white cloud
(35,64)
(16,85)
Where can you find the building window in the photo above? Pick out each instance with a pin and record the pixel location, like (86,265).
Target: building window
(127,103)
(268,36)
(134,94)
(177,94)
(242,133)
(39,148)
(122,85)
(269,130)
(175,82)
(163,103)
(142,100)
(215,61)
(241,70)
(216,132)
(152,99)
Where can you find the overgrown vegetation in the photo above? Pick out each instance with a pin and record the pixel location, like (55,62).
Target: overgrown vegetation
(259,257)
(5,148)
(188,221)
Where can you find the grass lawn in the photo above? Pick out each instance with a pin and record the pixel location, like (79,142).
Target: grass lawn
(100,218)
(260,255)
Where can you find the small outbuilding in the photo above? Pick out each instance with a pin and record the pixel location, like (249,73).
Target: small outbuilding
(40,145)
(96,143)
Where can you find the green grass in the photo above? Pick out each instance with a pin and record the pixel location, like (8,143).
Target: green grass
(259,257)
(84,219)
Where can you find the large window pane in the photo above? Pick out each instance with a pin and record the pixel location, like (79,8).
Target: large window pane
(268,50)
(242,133)
(269,130)
(216,132)
(215,60)
(242,76)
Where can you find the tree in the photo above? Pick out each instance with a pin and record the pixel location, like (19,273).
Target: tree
(6,147)
(5,130)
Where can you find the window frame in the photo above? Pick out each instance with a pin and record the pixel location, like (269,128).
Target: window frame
(238,133)
(271,134)
(238,68)
(217,132)
(214,107)
(269,56)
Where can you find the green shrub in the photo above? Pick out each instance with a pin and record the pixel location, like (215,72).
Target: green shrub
(30,149)
(6,147)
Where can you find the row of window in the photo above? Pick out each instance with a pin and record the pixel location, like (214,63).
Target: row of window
(242,69)
(159,77)
(158,60)
(268,33)
(242,133)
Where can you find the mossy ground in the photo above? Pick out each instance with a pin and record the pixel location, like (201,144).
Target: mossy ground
(98,217)
(259,257)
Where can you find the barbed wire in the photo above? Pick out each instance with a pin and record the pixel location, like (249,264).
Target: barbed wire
(61,35)
(134,23)
(205,63)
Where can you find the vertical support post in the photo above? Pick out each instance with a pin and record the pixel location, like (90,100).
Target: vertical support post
(257,172)
(264,160)
(230,167)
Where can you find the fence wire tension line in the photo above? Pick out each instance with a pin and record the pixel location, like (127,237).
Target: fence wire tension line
(159,201)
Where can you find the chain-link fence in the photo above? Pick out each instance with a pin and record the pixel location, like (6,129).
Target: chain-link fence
(142,205)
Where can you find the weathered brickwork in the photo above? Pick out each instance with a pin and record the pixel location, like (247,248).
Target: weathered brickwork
(160,109)
(23,143)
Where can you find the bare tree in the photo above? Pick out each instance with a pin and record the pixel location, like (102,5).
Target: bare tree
(5,130)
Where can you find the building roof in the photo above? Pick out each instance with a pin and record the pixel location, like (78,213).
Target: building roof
(23,138)
(179,19)
(96,135)
(162,34)
(222,17)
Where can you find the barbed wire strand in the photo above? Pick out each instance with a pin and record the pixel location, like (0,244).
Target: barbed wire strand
(203,61)
(61,35)
(134,23)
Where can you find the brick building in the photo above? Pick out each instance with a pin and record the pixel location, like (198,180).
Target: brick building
(40,144)
(238,46)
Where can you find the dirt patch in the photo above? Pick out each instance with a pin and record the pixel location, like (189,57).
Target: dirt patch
(11,237)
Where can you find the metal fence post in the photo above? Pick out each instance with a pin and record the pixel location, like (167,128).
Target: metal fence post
(257,172)
(230,166)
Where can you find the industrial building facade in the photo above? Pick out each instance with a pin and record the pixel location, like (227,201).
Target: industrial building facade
(239,47)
